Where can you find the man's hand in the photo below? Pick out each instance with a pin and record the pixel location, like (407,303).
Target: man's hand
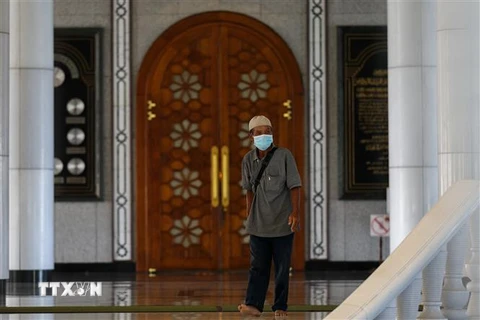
(294,222)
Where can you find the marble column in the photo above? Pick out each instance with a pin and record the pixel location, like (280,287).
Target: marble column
(4,70)
(413,172)
(458,112)
(472,266)
(31,139)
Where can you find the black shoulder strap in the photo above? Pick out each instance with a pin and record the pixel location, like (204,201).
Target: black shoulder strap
(265,163)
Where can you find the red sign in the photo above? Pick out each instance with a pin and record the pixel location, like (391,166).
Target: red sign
(379,225)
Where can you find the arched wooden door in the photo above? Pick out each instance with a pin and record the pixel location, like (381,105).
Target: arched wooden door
(198,86)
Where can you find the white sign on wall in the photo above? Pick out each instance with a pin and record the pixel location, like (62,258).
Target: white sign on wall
(379,225)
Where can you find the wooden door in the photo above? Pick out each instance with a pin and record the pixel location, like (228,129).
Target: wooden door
(198,87)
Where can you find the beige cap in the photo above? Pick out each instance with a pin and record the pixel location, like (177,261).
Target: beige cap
(258,121)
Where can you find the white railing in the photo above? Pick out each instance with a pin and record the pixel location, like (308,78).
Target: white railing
(415,253)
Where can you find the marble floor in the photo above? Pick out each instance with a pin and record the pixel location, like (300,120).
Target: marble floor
(161,316)
(174,296)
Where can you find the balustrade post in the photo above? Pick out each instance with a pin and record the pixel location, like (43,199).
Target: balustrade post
(473,268)
(408,300)
(432,287)
(454,295)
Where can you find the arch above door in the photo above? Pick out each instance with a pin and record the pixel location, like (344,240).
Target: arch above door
(204,78)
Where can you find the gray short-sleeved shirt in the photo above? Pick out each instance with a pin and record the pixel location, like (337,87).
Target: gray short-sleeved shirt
(272,204)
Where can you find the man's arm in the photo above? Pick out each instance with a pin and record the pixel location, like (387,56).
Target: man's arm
(294,219)
(249,198)
(295,196)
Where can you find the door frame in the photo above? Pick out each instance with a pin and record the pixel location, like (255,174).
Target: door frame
(154,53)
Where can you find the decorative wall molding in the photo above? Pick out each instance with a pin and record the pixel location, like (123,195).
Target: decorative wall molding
(122,294)
(318,137)
(318,296)
(122,195)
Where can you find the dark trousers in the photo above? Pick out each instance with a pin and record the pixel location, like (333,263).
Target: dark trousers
(262,250)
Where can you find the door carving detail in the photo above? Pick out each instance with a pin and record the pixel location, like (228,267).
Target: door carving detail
(207,75)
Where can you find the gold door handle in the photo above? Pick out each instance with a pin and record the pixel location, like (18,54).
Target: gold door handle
(288,115)
(214,176)
(225,178)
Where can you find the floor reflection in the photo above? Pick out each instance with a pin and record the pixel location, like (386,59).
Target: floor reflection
(157,316)
(187,292)
(184,290)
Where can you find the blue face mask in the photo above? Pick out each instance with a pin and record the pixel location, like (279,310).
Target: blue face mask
(263,142)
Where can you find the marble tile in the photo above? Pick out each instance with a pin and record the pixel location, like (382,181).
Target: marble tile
(106,168)
(190,7)
(14,119)
(293,29)
(251,7)
(364,19)
(457,120)
(86,20)
(75,232)
(33,47)
(356,7)
(106,111)
(457,166)
(104,232)
(406,126)
(103,8)
(430,128)
(76,8)
(336,230)
(157,316)
(144,32)
(105,143)
(188,289)
(359,245)
(429,33)
(4,20)
(35,119)
(451,15)
(14,218)
(4,218)
(430,188)
(106,62)
(339,290)
(335,168)
(406,201)
(36,238)
(4,91)
(239,1)
(284,6)
(405,39)
(151,7)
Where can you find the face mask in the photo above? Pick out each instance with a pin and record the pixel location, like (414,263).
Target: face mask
(263,142)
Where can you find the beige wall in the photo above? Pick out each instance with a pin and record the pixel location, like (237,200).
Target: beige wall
(84,230)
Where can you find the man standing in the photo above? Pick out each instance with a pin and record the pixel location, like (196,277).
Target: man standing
(270,176)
